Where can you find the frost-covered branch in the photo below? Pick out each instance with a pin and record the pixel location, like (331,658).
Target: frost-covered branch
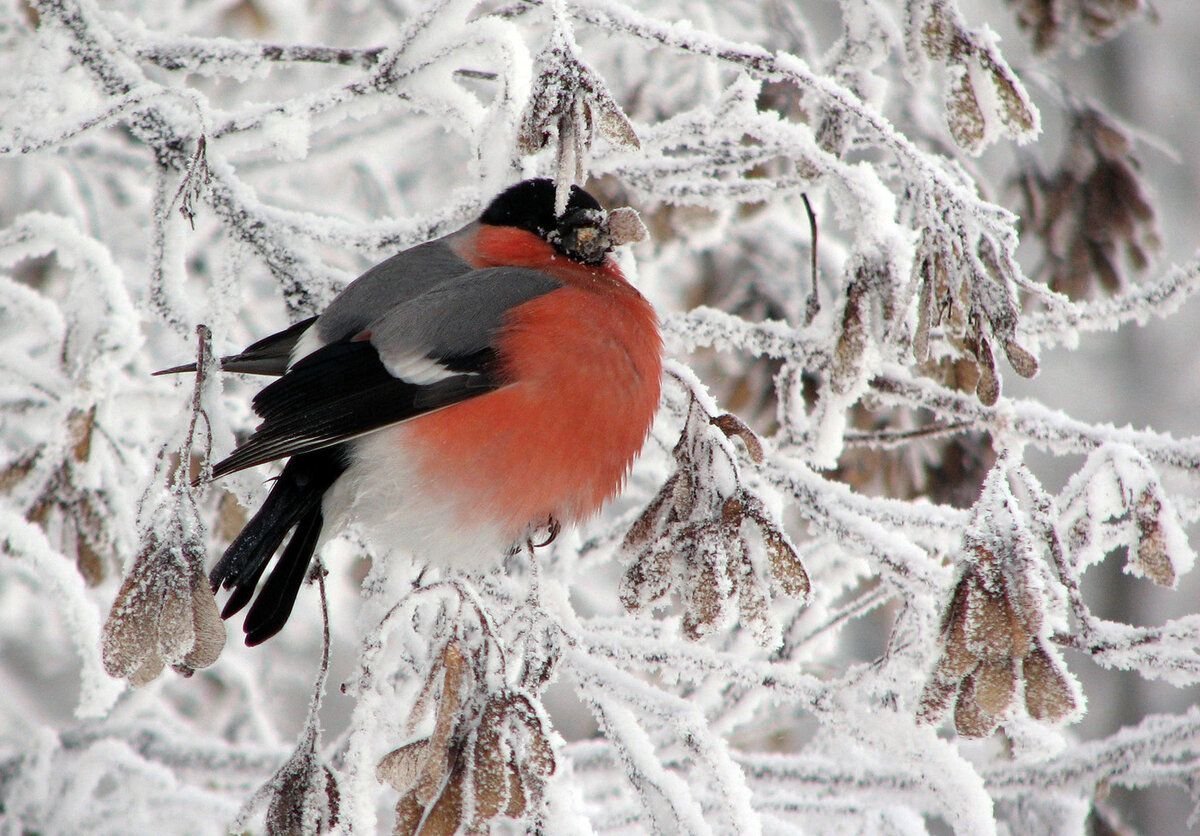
(1049,429)
(1159,297)
(833,562)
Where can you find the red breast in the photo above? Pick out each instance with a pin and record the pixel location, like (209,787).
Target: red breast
(585,363)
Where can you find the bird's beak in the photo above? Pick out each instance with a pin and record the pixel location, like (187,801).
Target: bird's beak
(583,234)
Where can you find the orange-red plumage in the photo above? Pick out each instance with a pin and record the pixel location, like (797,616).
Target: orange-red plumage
(558,440)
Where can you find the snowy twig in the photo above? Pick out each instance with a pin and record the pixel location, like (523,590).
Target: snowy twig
(1046,428)
(1160,297)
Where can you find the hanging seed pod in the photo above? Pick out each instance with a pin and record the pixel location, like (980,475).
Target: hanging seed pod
(1150,555)
(936,699)
(964,116)
(401,767)
(995,685)
(1048,694)
(1022,361)
(852,341)
(970,718)
(988,388)
(494,782)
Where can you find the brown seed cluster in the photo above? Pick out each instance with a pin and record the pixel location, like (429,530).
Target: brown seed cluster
(488,757)
(1051,22)
(992,647)
(570,103)
(973,60)
(164,613)
(701,534)
(64,506)
(1148,524)
(972,296)
(1091,210)
(304,795)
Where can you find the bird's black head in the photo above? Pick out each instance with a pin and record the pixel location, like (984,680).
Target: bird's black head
(579,233)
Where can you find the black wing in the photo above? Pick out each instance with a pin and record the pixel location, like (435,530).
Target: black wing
(342,391)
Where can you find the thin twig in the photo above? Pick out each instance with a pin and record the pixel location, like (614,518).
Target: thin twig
(888,439)
(204,361)
(813,306)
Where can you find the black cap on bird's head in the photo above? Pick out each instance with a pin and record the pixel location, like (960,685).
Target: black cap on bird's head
(580,232)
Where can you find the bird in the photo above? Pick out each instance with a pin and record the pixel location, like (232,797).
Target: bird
(454,400)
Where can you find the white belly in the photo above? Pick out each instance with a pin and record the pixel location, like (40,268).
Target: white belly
(399,511)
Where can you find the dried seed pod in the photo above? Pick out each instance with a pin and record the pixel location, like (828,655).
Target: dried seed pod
(754,609)
(1026,606)
(694,531)
(1051,23)
(1049,696)
(1022,361)
(989,624)
(401,767)
(964,116)
(518,801)
(703,598)
(647,524)
(970,718)
(938,31)
(89,563)
(1093,208)
(80,425)
(957,659)
(733,512)
(15,473)
(786,567)
(436,765)
(493,779)
(408,815)
(936,699)
(445,817)
(732,426)
(1151,556)
(539,754)
(231,517)
(647,579)
(925,313)
(852,341)
(164,613)
(207,628)
(1016,112)
(625,225)
(568,88)
(298,787)
(995,685)
(538,763)
(683,494)
(988,388)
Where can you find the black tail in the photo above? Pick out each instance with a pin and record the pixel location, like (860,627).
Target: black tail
(293,503)
(269,356)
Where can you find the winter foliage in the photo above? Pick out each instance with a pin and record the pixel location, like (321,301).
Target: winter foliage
(844,590)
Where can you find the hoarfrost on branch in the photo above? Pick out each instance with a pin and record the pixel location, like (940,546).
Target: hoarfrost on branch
(842,557)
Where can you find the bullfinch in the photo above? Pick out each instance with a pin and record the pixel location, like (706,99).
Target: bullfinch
(452,401)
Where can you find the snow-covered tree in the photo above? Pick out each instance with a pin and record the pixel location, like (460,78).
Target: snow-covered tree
(854,584)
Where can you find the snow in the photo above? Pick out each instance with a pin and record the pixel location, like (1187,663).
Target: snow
(844,523)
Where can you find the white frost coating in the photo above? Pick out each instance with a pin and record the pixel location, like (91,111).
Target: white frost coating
(339,134)
(286,135)
(28,544)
